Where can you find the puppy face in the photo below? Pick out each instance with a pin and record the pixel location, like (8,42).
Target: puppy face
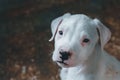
(77,36)
(75,39)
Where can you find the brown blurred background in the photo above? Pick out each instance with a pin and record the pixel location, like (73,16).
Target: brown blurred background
(25,53)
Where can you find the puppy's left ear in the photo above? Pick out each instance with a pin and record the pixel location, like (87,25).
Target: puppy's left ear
(104,32)
(56,23)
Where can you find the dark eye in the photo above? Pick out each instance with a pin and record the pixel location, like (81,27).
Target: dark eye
(86,40)
(61,32)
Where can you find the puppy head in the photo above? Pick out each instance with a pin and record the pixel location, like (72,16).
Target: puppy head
(75,38)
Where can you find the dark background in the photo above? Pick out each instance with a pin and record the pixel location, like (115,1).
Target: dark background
(25,53)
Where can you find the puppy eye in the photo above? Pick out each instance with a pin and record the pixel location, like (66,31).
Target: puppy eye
(61,32)
(86,40)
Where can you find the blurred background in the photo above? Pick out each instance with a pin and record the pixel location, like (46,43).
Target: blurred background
(25,53)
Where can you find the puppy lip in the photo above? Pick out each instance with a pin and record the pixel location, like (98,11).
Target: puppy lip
(62,62)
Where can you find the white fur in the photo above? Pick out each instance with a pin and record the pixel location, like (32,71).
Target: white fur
(88,61)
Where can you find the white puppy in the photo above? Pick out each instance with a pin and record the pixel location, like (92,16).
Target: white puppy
(79,43)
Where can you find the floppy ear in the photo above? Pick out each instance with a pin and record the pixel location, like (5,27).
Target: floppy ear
(56,23)
(104,32)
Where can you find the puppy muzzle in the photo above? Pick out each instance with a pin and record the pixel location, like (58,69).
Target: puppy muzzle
(65,55)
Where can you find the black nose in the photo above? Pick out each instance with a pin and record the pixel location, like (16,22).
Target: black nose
(64,55)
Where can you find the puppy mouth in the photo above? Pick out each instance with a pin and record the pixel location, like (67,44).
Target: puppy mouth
(62,62)
(65,56)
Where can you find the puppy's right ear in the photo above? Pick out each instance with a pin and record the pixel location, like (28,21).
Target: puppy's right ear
(105,33)
(56,23)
